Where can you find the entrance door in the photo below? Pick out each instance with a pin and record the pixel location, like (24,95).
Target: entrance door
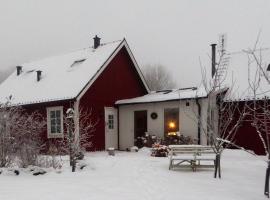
(140,123)
(111,127)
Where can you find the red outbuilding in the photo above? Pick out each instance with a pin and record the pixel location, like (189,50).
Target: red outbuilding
(93,78)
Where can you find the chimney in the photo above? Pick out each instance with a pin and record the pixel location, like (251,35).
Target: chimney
(96,42)
(38,75)
(19,70)
(213,59)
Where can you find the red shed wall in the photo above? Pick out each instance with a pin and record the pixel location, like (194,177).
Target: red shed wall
(119,80)
(246,135)
(41,108)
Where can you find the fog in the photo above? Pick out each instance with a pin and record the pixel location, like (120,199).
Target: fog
(171,33)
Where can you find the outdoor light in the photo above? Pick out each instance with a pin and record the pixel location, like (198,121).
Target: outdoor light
(70,113)
(171,125)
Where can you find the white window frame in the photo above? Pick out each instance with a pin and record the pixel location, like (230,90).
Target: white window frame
(54,135)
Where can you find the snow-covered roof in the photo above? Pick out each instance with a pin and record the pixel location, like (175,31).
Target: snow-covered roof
(63,77)
(242,70)
(167,95)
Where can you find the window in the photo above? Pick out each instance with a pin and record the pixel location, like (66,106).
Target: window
(110,122)
(187,103)
(171,121)
(55,122)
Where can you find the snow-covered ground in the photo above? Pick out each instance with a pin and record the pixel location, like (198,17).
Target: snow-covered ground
(133,176)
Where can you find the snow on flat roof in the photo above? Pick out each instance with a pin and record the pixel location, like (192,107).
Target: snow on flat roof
(240,71)
(167,95)
(63,77)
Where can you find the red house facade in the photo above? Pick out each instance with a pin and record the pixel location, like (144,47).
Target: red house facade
(93,78)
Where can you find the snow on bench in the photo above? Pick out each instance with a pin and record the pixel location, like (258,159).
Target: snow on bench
(191,155)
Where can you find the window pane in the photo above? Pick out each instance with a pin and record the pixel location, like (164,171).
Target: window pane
(58,113)
(53,122)
(58,129)
(52,114)
(58,121)
(53,129)
(171,120)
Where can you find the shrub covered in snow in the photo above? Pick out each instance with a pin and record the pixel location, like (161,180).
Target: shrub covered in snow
(134,149)
(159,150)
(178,139)
(147,141)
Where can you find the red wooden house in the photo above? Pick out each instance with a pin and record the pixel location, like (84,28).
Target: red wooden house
(92,78)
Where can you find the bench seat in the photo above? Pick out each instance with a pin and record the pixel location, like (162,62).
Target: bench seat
(181,155)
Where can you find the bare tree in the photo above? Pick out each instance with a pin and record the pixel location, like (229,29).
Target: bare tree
(158,78)
(259,85)
(79,128)
(20,134)
(224,117)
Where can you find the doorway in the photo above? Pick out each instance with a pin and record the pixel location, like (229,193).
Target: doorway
(111,127)
(140,123)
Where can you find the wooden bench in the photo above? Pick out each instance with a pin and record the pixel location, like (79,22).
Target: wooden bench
(194,156)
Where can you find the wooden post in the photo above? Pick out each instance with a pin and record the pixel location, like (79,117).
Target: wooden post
(266,186)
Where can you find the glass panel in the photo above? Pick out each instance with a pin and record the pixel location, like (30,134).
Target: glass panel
(53,129)
(53,122)
(171,121)
(52,114)
(58,113)
(110,121)
(58,129)
(58,121)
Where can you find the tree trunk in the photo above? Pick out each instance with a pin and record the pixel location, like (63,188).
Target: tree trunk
(266,186)
(217,166)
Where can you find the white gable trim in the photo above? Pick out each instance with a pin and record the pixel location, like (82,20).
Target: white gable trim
(104,66)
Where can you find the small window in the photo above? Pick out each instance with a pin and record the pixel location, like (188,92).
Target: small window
(55,122)
(187,103)
(110,121)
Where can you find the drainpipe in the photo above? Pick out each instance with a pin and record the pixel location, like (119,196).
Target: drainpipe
(118,123)
(199,120)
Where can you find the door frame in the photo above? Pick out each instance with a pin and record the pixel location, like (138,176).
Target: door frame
(134,136)
(111,133)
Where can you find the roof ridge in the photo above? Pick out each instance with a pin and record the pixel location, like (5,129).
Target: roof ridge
(68,52)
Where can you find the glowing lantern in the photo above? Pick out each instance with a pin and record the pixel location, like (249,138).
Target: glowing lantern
(172,125)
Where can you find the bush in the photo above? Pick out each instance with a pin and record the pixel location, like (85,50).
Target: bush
(159,150)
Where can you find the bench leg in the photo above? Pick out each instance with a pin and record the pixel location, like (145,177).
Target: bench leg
(170,166)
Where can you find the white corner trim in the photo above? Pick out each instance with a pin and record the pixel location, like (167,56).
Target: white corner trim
(104,66)
(54,135)
(77,121)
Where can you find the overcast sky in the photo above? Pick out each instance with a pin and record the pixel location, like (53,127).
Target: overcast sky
(172,33)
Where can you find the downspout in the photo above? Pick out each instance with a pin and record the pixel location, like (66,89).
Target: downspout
(118,140)
(199,120)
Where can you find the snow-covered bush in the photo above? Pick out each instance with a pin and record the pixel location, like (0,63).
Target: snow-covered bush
(147,141)
(134,149)
(178,139)
(159,150)
(19,135)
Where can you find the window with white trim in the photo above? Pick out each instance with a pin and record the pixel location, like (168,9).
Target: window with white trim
(55,122)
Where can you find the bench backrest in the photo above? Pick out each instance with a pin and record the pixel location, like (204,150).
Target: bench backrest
(178,149)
